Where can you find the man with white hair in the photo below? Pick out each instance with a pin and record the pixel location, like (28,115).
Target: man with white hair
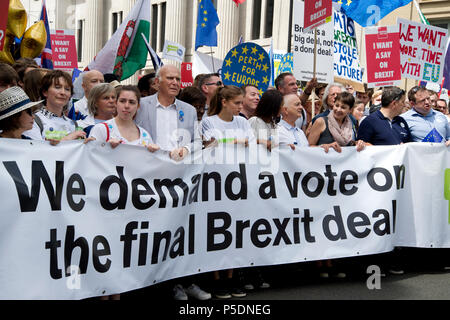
(90,80)
(171,123)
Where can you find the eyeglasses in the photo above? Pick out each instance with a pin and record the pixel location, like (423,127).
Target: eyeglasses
(218,83)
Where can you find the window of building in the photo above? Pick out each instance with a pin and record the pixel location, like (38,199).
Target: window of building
(158,26)
(80,31)
(117,19)
(262,19)
(256,21)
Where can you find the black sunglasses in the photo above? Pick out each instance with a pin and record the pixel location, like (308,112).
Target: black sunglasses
(218,83)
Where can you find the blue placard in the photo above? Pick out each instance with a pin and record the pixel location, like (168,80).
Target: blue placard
(286,64)
(247,63)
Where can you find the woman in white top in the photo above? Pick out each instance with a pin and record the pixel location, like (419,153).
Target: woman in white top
(101,105)
(50,123)
(224,125)
(264,123)
(122,128)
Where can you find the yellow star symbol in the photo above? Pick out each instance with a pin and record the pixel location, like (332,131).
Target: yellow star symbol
(265,80)
(261,57)
(340,2)
(227,76)
(234,53)
(254,50)
(349,2)
(203,24)
(205,12)
(260,92)
(244,50)
(228,62)
(265,67)
(205,19)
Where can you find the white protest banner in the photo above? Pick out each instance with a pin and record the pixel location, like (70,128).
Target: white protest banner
(173,51)
(347,67)
(422,51)
(304,49)
(80,221)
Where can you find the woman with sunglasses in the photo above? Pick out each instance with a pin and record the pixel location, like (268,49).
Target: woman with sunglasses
(16,114)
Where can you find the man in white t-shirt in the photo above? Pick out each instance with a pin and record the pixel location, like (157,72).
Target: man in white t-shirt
(90,80)
(288,133)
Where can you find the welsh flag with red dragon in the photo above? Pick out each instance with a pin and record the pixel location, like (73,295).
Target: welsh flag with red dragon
(125,53)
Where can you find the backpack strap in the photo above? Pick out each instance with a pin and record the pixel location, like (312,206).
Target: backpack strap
(38,121)
(107,131)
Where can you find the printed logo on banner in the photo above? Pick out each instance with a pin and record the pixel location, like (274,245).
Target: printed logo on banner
(422,51)
(173,51)
(287,63)
(247,63)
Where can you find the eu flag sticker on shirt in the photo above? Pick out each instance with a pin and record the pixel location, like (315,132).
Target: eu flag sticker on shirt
(433,136)
(247,63)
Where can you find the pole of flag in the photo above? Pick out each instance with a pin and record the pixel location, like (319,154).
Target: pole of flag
(212,59)
(313,102)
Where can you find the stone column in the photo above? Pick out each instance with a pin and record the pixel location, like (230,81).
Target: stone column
(94,29)
(228,29)
(176,16)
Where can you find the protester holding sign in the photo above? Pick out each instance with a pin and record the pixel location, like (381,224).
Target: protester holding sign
(423,121)
(288,132)
(264,123)
(16,115)
(171,123)
(224,124)
(122,129)
(336,130)
(50,123)
(101,106)
(385,126)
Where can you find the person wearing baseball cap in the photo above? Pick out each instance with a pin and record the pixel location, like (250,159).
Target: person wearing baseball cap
(16,113)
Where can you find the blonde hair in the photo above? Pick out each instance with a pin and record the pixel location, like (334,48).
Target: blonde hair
(96,93)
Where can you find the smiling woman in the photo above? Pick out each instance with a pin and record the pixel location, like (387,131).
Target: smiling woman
(50,122)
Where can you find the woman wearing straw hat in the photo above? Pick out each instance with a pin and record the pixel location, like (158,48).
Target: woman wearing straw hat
(16,114)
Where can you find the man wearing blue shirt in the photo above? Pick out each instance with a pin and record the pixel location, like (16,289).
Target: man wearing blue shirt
(384,126)
(422,119)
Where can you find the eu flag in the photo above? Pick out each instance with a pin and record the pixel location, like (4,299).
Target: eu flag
(433,136)
(207,21)
(369,12)
(46,56)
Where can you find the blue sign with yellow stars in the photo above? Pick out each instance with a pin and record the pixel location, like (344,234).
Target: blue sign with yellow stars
(286,63)
(247,63)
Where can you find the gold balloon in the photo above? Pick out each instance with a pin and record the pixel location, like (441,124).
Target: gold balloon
(33,41)
(5,54)
(17,18)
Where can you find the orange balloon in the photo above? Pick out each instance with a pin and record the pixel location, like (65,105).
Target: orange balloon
(17,18)
(33,41)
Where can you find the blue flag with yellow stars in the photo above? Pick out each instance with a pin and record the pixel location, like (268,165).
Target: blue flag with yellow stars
(433,136)
(369,12)
(207,21)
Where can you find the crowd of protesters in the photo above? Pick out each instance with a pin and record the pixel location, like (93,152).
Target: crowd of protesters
(37,104)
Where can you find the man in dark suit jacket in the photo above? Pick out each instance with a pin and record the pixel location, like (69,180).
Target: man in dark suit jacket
(171,122)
